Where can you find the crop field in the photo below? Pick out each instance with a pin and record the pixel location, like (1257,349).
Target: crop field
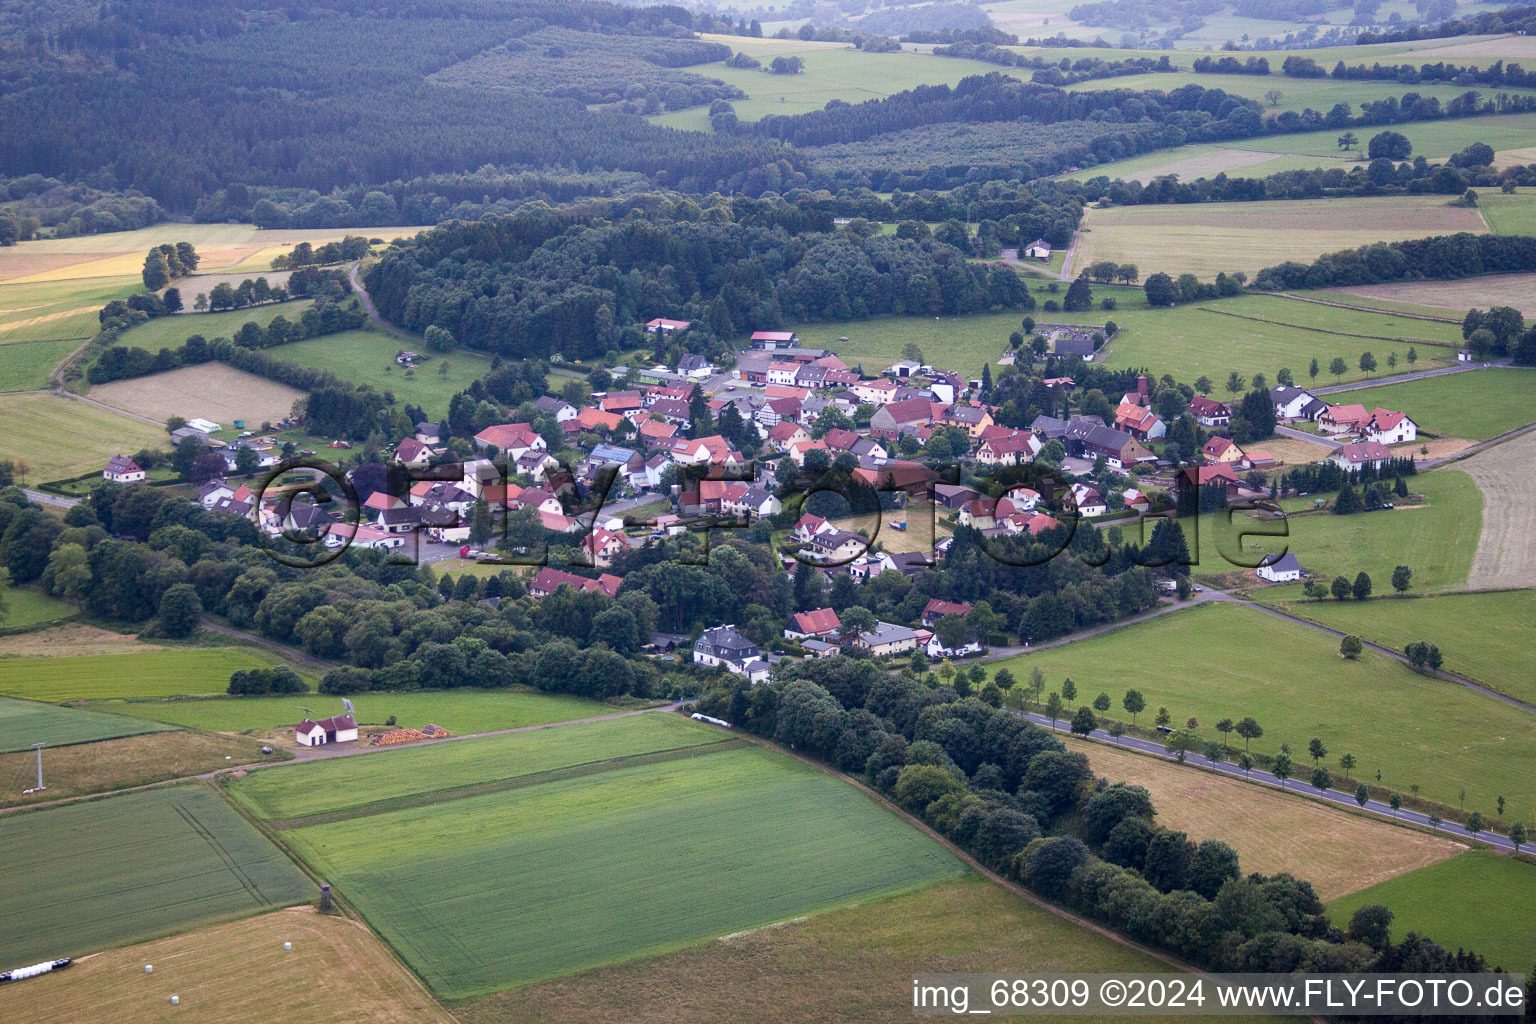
(1457,623)
(171,331)
(27,608)
(209,390)
(65,637)
(1506,555)
(845,965)
(115,764)
(1475,405)
(350,783)
(59,437)
(1188,162)
(831,73)
(87,876)
(161,673)
(25,722)
(1453,296)
(487,892)
(1480,901)
(1260,334)
(368,357)
(27,365)
(1336,851)
(1436,540)
(1206,238)
(461,712)
(54,311)
(338,972)
(1224,661)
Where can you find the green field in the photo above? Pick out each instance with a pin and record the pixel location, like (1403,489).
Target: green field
(368,357)
(171,331)
(487,892)
(1459,624)
(1434,140)
(108,872)
(27,365)
(1437,541)
(1480,901)
(831,73)
(25,722)
(131,674)
(1228,661)
(1513,214)
(459,711)
(57,310)
(1473,406)
(350,782)
(60,437)
(26,608)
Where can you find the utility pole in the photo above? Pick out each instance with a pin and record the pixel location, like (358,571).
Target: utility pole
(39,748)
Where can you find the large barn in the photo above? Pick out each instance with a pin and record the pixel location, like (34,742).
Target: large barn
(341,729)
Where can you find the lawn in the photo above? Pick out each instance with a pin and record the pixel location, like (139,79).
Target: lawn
(342,784)
(60,437)
(487,892)
(211,391)
(1474,406)
(846,965)
(102,873)
(1437,541)
(368,357)
(1228,661)
(1480,901)
(1272,833)
(112,765)
(458,711)
(25,722)
(1456,623)
(229,973)
(1204,238)
(1192,341)
(162,673)
(171,331)
(26,608)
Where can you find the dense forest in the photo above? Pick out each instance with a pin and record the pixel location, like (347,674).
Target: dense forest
(577,281)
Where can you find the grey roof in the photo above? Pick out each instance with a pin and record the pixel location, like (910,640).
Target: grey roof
(692,361)
(1285,563)
(1049,426)
(1073,345)
(544,403)
(887,633)
(1281,394)
(610,454)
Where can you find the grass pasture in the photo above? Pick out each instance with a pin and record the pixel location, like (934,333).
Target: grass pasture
(25,722)
(159,673)
(116,764)
(1474,406)
(349,783)
(1437,540)
(1336,851)
(459,711)
(1457,623)
(629,862)
(27,609)
(60,437)
(1228,661)
(90,875)
(171,331)
(209,390)
(1480,901)
(1206,238)
(56,310)
(230,973)
(1434,140)
(28,365)
(846,965)
(367,356)
(1509,214)
(1506,554)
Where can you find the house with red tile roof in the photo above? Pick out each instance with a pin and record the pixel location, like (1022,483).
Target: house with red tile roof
(819,622)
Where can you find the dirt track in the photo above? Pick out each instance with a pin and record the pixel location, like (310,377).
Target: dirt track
(1506,551)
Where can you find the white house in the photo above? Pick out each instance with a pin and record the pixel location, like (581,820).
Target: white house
(340,729)
(1290,402)
(1388,427)
(1039,249)
(725,647)
(1360,454)
(122,470)
(1284,569)
(936,649)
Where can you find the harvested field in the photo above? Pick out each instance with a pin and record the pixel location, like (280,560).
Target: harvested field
(1207,238)
(17,265)
(1206,164)
(1506,549)
(336,973)
(1292,451)
(211,391)
(112,765)
(1494,290)
(1336,851)
(205,283)
(67,639)
(95,874)
(1439,448)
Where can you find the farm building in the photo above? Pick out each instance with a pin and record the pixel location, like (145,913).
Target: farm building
(1039,249)
(661,325)
(340,729)
(1284,569)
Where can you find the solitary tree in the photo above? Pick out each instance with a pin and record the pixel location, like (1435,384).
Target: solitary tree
(1274,96)
(1362,587)
(1317,750)
(1322,779)
(1249,730)
(1340,587)
(1517,835)
(1282,768)
(1134,704)
(1245,762)
(1396,802)
(1053,707)
(1367,363)
(1347,762)
(1116,729)
(1337,367)
(1402,576)
(1350,647)
(1163,718)
(1084,722)
(1475,822)
(1101,703)
(1236,382)
(1362,794)
(1312,369)
(1224,727)
(1413,355)
(1068,690)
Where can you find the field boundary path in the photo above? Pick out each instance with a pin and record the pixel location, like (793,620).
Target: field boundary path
(368,307)
(1404,377)
(1260,777)
(271,645)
